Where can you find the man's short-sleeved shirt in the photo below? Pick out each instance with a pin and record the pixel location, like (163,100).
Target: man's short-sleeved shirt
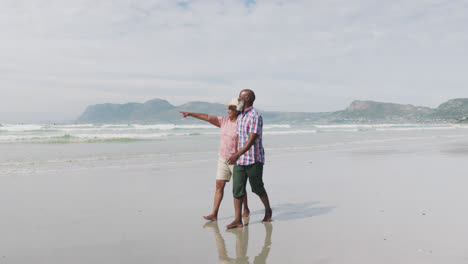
(250,121)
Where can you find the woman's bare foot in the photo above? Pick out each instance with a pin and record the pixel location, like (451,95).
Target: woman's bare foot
(235,224)
(268,214)
(246,212)
(211,217)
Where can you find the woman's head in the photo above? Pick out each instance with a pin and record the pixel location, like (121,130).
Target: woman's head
(232,109)
(232,112)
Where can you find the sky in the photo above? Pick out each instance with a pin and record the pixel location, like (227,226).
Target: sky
(57,57)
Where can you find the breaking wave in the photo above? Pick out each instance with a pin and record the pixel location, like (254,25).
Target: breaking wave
(91,133)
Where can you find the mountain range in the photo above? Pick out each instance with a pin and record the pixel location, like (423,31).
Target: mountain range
(161,111)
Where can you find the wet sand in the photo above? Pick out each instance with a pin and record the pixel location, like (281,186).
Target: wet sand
(381,201)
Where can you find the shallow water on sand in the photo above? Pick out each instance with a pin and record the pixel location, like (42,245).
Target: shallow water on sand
(373,196)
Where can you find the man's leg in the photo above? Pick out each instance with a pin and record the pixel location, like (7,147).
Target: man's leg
(217,200)
(238,216)
(268,212)
(238,189)
(246,212)
(255,174)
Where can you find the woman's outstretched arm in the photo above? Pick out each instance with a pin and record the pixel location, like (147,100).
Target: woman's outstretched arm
(211,119)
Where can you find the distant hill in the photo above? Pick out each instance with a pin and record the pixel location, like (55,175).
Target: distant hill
(452,109)
(156,110)
(153,111)
(370,110)
(161,111)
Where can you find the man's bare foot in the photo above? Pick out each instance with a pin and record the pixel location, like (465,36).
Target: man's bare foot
(235,224)
(211,217)
(268,214)
(246,213)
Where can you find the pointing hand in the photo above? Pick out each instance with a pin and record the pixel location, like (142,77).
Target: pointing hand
(184,114)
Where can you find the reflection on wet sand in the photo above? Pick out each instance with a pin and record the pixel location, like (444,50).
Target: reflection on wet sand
(242,242)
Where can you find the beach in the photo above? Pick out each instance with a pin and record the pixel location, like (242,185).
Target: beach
(340,194)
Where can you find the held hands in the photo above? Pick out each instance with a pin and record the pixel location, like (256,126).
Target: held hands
(233,159)
(184,114)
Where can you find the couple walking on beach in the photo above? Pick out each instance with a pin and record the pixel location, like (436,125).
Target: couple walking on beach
(241,155)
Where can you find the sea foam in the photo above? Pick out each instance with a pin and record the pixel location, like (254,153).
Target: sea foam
(92,133)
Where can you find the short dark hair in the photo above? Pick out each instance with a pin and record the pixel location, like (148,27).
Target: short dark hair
(251,93)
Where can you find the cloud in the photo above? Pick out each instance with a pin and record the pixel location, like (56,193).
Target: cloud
(299,55)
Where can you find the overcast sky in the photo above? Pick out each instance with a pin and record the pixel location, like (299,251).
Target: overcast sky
(57,57)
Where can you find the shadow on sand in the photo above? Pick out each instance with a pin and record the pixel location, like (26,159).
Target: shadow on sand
(293,211)
(242,242)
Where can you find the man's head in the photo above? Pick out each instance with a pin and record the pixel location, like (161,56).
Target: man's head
(247,97)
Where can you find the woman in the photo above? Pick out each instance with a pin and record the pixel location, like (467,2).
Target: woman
(226,150)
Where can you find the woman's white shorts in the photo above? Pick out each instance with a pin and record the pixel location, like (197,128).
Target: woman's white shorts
(224,169)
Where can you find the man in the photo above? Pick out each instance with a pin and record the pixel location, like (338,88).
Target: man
(249,158)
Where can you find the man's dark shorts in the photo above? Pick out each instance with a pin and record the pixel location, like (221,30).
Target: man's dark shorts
(254,173)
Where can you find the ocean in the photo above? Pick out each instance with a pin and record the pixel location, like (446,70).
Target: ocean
(27,148)
(91,133)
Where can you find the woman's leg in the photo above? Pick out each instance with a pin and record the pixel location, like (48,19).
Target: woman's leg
(217,200)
